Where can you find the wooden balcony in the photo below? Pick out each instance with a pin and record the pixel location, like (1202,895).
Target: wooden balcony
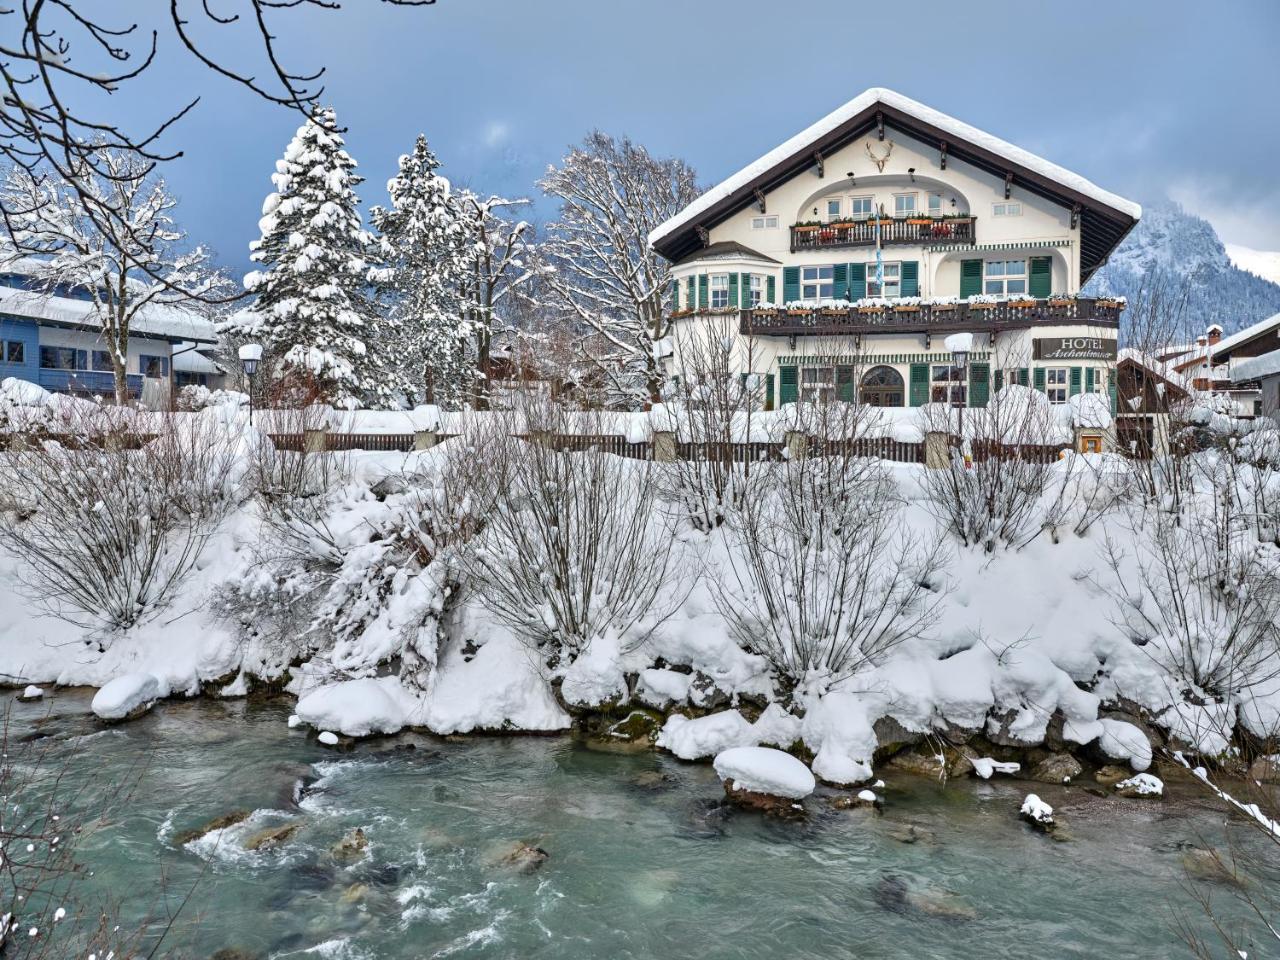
(977,317)
(862,233)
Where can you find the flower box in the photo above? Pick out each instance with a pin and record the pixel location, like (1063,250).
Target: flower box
(920,221)
(869,309)
(796,312)
(907,308)
(982,306)
(1022,303)
(942,306)
(1060,302)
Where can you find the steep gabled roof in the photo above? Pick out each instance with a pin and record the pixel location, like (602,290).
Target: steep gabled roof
(1268,327)
(1105,218)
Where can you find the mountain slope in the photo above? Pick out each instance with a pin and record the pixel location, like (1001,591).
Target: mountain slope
(1262,263)
(1185,247)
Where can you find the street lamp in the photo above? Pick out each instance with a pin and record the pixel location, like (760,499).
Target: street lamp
(961,345)
(250,354)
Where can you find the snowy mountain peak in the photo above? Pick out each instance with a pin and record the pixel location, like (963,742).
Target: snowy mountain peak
(1261,263)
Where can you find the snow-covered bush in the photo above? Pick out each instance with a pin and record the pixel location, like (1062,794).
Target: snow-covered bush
(823,577)
(990,492)
(576,554)
(108,528)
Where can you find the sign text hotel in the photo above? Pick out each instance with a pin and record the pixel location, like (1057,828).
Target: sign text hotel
(1074,348)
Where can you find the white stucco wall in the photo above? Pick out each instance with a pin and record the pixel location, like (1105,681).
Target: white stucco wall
(87,340)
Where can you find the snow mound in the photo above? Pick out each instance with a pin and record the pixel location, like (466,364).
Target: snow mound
(658,688)
(131,693)
(328,738)
(706,736)
(765,770)
(986,766)
(1121,740)
(32,693)
(356,708)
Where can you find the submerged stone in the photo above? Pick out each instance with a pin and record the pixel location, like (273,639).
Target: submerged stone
(524,857)
(892,893)
(351,847)
(1056,768)
(217,823)
(272,837)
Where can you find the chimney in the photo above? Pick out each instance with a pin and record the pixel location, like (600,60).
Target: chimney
(1202,340)
(1214,334)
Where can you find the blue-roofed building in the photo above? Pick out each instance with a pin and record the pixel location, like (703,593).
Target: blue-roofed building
(53,338)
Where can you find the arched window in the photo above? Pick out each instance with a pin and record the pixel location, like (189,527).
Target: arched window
(883,387)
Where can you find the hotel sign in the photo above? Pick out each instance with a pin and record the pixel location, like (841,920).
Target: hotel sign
(1073,348)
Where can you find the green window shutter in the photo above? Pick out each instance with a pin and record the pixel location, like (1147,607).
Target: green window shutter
(1023,377)
(675,295)
(770,288)
(704,297)
(744,291)
(919,384)
(845,385)
(970,278)
(790,284)
(768,391)
(1041,277)
(1088,379)
(1111,389)
(840,281)
(979,384)
(1076,374)
(1039,377)
(788,386)
(857,281)
(733,289)
(999,380)
(691,299)
(910,278)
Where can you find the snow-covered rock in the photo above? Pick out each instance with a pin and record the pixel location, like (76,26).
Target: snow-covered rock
(328,738)
(660,688)
(31,694)
(1036,812)
(1142,785)
(986,766)
(1121,740)
(127,696)
(357,708)
(706,736)
(765,770)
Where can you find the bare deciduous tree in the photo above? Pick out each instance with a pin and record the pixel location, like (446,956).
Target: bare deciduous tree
(607,279)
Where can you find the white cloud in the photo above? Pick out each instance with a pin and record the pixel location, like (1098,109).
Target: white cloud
(496,133)
(1233,212)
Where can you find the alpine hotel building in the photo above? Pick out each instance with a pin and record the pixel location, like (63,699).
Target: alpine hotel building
(970,234)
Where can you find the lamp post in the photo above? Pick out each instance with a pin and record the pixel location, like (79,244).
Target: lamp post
(250,354)
(960,345)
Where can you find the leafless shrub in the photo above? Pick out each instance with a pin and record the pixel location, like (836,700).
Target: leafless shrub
(989,493)
(823,576)
(575,546)
(110,514)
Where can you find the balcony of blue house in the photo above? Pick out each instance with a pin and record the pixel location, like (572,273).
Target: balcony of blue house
(87,382)
(890,232)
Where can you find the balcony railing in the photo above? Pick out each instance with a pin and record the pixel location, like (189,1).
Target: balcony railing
(978,316)
(862,233)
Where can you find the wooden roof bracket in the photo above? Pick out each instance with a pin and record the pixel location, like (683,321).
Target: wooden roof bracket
(704,235)
(760,199)
(1008,184)
(822,167)
(879,125)
(942,154)
(1075,216)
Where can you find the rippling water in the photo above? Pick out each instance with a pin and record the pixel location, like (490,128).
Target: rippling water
(643,860)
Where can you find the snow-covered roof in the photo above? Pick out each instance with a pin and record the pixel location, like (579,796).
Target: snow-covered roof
(955,130)
(153,320)
(1161,369)
(1267,365)
(1227,344)
(193,361)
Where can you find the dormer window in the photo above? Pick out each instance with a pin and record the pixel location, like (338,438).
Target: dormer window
(904,204)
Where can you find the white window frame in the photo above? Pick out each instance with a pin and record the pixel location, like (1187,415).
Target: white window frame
(814,386)
(718,284)
(838,203)
(1007,208)
(929,205)
(997,282)
(817,282)
(854,202)
(1057,384)
(954,385)
(756,282)
(898,212)
(769,222)
(892,280)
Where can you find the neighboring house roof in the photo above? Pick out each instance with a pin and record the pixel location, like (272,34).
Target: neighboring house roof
(1164,371)
(1270,326)
(726,250)
(189,360)
(1266,365)
(161,321)
(1105,217)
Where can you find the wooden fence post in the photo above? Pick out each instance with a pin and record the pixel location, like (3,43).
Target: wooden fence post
(664,446)
(797,444)
(937,452)
(315,441)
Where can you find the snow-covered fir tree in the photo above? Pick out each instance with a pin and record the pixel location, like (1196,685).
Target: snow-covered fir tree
(313,310)
(423,249)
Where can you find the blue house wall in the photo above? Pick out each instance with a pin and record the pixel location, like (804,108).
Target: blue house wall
(27,333)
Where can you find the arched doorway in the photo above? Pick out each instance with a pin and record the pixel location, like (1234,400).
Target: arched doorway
(882,387)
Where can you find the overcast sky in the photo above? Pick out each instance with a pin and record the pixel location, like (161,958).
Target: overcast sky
(1144,98)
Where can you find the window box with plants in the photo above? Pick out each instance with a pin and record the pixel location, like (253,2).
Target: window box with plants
(906,308)
(1061,300)
(1022,302)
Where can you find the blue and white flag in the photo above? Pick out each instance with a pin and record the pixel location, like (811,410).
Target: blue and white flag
(879,258)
